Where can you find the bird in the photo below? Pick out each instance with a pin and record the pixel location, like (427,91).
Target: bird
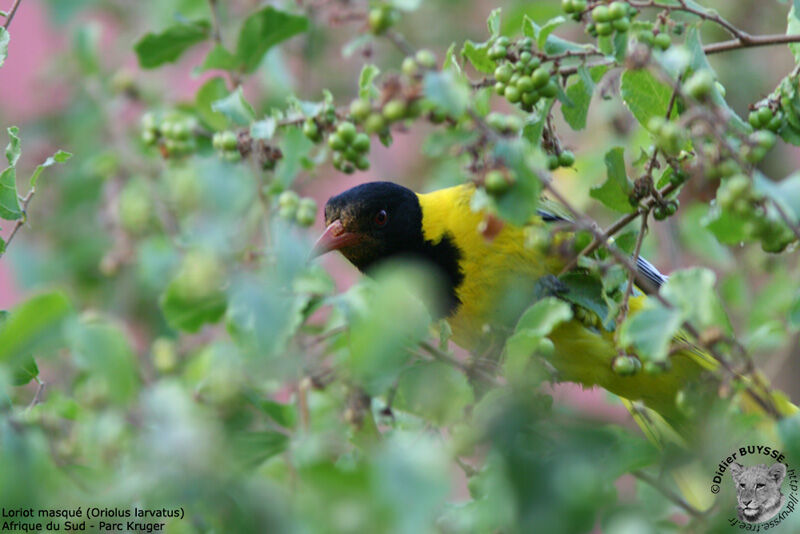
(490,276)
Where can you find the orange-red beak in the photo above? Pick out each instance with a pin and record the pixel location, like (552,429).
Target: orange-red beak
(334,238)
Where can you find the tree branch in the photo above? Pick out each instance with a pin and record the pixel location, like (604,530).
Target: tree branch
(11,13)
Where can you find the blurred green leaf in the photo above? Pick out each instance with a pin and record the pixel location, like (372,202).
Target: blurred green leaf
(219,58)
(86,43)
(190,314)
(493,22)
(254,448)
(794,313)
(26,371)
(793,28)
(532,131)
(544,316)
(13,149)
(478,56)
(447,92)
(692,292)
(366,85)
(580,94)
(212,91)
(155,49)
(518,207)
(10,208)
(235,107)
(31,324)
(436,391)
(59,157)
(264,29)
(547,29)
(295,148)
(650,331)
(645,96)
(4,40)
(614,192)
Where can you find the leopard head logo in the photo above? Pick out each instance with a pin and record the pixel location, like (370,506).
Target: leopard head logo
(758,491)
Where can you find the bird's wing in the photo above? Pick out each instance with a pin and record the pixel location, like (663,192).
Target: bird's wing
(644,267)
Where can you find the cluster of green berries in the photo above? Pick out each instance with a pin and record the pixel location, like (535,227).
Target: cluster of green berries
(667,209)
(736,195)
(414,65)
(525,80)
(669,136)
(350,148)
(758,144)
(372,121)
(176,132)
(381,18)
(607,19)
(565,158)
(506,124)
(764,118)
(227,144)
(574,8)
(627,365)
(293,208)
(660,40)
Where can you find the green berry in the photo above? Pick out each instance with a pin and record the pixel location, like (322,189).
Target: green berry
(503,73)
(540,77)
(617,10)
(526,43)
(671,208)
(495,182)
(426,58)
(381,19)
(512,94)
(503,41)
(754,119)
(763,138)
(305,217)
(410,67)
(567,6)
(529,99)
(360,109)
(626,365)
(552,162)
(578,6)
(498,52)
(232,156)
(701,83)
(566,159)
(149,137)
(228,140)
(646,37)
(604,28)
(659,213)
(362,163)
(375,123)
(550,90)
(311,130)
(777,121)
(361,143)
(346,131)
(525,84)
(288,199)
(622,25)
(336,142)
(662,41)
(394,110)
(499,88)
(350,154)
(765,115)
(601,13)
(525,57)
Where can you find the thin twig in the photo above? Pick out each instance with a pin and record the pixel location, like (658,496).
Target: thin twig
(400,42)
(623,309)
(711,16)
(38,395)
(11,13)
(21,221)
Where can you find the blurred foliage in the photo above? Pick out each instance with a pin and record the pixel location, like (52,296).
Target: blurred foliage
(177,349)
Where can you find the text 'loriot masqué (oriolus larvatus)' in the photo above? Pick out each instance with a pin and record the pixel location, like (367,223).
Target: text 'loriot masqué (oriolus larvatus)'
(490,277)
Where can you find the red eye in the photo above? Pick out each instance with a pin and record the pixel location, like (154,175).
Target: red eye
(381,218)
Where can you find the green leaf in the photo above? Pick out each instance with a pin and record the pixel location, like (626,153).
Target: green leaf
(59,157)
(580,95)
(493,22)
(263,129)
(10,208)
(295,148)
(699,62)
(793,28)
(4,39)
(86,45)
(212,91)
(264,29)
(13,149)
(553,44)
(235,107)
(794,313)
(645,96)
(435,391)
(102,349)
(31,324)
(534,126)
(155,49)
(518,207)
(254,448)
(190,314)
(692,292)
(366,87)
(478,56)
(587,292)
(547,29)
(650,331)
(447,92)
(26,371)
(219,58)
(541,318)
(614,192)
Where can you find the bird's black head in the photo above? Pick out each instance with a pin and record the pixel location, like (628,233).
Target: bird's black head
(372,222)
